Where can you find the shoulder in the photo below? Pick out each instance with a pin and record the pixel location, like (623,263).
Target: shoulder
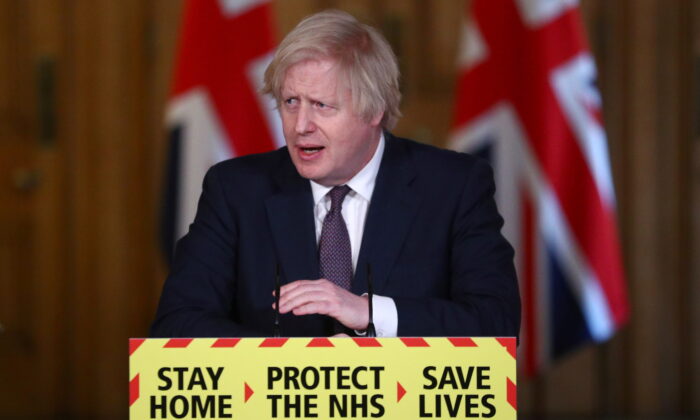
(434,162)
(255,165)
(251,176)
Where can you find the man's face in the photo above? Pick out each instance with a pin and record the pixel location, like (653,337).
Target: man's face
(328,142)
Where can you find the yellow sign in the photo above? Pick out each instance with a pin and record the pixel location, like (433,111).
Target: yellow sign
(325,378)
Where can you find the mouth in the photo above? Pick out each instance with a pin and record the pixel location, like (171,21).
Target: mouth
(310,150)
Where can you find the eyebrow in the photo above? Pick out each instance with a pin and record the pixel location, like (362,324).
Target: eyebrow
(328,101)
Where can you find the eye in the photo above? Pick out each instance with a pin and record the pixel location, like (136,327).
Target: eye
(291,101)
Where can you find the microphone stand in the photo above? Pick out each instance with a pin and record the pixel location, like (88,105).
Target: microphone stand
(276,325)
(371,332)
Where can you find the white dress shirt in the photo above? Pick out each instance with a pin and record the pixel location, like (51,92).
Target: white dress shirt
(354,212)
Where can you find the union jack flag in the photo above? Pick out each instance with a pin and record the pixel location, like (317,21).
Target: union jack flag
(527,100)
(215,110)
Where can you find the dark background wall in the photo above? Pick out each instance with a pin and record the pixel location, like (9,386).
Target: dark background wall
(83,85)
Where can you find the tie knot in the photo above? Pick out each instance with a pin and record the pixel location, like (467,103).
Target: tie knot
(338,194)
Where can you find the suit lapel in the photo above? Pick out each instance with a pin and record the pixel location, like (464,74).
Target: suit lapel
(290,213)
(391,211)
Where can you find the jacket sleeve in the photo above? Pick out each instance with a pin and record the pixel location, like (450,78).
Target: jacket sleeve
(197,296)
(482,297)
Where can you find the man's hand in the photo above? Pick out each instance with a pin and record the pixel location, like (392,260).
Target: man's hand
(304,297)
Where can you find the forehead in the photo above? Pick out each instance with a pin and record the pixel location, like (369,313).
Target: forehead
(313,76)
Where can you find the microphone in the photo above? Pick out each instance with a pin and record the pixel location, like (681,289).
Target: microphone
(276,325)
(371,332)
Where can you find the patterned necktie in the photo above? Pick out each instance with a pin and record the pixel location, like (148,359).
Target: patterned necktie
(334,246)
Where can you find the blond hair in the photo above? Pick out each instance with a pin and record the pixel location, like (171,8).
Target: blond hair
(362,53)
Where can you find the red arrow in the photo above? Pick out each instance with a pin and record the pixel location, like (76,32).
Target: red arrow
(400,391)
(248,392)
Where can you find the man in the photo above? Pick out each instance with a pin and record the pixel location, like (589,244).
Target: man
(344,198)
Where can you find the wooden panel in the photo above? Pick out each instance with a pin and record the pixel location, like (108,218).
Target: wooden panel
(446,24)
(162,36)
(112,220)
(673,169)
(31,259)
(643,214)
(417,31)
(361,9)
(694,200)
(289,13)
(609,30)
(82,306)
(50,211)
(575,377)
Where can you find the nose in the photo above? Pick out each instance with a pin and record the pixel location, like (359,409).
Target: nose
(304,123)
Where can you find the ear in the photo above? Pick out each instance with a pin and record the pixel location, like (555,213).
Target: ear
(377,119)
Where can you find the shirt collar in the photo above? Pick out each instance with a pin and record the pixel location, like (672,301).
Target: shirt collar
(362,183)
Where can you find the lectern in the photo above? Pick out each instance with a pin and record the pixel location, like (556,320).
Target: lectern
(325,378)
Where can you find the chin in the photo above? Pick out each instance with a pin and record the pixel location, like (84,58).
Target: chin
(308,173)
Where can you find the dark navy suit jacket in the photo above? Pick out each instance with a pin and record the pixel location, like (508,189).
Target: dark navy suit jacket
(432,237)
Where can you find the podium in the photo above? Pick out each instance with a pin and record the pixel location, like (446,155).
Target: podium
(324,378)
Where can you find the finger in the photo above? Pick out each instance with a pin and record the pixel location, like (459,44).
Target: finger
(314,307)
(289,286)
(320,291)
(304,299)
(296,284)
(351,313)
(309,287)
